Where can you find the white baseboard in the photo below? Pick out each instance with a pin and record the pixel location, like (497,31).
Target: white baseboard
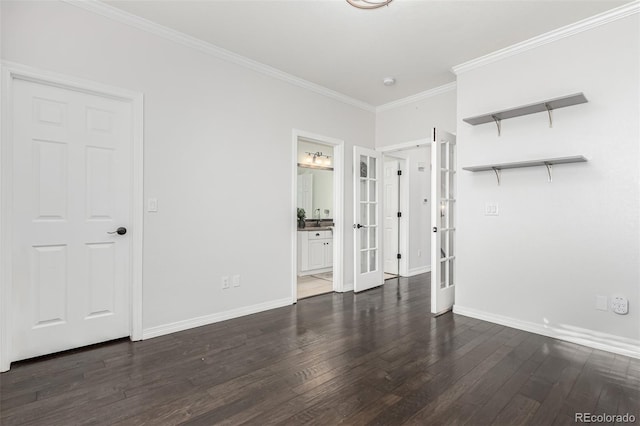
(174,327)
(582,336)
(417,271)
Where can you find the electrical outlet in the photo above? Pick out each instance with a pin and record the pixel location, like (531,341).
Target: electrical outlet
(236,280)
(152,205)
(620,305)
(491,208)
(601,303)
(225,282)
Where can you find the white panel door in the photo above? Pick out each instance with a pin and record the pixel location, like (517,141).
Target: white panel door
(367,212)
(443,185)
(391,209)
(71,188)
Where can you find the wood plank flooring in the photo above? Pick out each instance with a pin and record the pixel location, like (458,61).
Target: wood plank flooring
(375,358)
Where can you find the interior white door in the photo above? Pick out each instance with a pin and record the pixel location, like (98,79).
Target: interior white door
(71,191)
(391,208)
(367,211)
(443,185)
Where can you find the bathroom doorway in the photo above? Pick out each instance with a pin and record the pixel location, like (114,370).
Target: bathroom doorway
(317,194)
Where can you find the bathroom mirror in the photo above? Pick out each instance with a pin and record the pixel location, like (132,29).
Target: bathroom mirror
(315,192)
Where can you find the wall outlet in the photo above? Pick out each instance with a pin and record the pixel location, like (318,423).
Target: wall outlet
(225,282)
(236,280)
(620,305)
(491,208)
(601,303)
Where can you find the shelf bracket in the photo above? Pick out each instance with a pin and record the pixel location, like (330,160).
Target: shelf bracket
(498,124)
(549,171)
(549,112)
(497,172)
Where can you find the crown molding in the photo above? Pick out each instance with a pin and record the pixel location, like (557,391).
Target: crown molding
(551,36)
(127,18)
(417,97)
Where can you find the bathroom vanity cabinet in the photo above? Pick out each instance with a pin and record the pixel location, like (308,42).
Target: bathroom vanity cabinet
(315,251)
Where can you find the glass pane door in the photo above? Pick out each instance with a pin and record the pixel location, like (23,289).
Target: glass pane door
(367,215)
(443,185)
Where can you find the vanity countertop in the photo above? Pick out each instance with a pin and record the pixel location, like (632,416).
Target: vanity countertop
(314,228)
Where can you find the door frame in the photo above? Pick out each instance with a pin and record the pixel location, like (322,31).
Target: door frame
(403,226)
(338,207)
(10,72)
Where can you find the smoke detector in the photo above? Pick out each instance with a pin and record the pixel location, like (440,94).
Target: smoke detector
(389,81)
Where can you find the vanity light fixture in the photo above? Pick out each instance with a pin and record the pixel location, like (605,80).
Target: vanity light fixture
(316,158)
(369,4)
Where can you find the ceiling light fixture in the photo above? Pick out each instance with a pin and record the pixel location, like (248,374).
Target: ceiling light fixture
(369,4)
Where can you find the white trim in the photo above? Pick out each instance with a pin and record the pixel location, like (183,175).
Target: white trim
(551,36)
(338,207)
(419,270)
(581,336)
(187,324)
(121,16)
(417,97)
(11,71)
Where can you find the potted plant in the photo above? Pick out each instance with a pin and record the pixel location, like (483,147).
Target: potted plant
(301,217)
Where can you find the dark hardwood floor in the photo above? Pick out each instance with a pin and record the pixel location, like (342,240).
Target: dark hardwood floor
(372,358)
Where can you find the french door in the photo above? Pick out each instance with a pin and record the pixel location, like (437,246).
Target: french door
(443,185)
(367,215)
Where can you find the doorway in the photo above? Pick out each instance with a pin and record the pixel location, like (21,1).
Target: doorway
(413,198)
(71,219)
(317,205)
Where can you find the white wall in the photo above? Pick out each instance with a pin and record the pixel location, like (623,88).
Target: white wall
(555,246)
(413,121)
(218,142)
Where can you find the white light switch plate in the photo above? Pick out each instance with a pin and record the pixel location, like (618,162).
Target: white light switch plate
(152,205)
(601,303)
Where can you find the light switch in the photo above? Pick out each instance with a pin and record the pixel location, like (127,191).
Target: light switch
(152,205)
(491,209)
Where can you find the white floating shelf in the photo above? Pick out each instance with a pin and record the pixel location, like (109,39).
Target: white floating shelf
(547,162)
(547,105)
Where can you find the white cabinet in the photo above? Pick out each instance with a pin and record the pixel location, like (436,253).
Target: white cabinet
(315,251)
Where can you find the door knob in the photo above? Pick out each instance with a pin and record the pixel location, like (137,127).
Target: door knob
(358,226)
(120,231)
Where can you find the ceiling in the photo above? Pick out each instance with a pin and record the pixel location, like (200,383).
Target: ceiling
(348,50)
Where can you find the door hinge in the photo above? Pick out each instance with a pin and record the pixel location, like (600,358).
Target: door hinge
(399,172)
(399,256)
(399,214)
